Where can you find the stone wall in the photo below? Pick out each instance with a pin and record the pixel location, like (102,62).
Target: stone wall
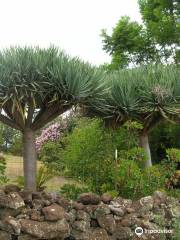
(38,215)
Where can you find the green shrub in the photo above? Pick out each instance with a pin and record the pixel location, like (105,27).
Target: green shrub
(20,181)
(72,191)
(87,155)
(89,152)
(176,230)
(135,154)
(169,167)
(173,154)
(50,155)
(173,193)
(43,176)
(3,178)
(153,179)
(127,179)
(113,193)
(165,135)
(135,182)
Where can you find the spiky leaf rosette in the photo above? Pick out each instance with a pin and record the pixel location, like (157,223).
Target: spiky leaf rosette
(36,85)
(147,94)
(159,95)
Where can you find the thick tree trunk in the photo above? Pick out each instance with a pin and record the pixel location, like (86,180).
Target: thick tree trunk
(144,143)
(30,160)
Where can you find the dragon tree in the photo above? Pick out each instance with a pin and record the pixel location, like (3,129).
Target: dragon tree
(37,85)
(147,94)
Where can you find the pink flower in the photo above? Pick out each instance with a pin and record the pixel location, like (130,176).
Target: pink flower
(52,133)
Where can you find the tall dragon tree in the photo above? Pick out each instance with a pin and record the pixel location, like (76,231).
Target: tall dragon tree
(147,94)
(159,100)
(37,85)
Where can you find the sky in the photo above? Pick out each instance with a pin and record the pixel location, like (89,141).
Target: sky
(72,25)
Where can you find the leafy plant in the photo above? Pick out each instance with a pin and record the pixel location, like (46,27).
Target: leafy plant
(3,178)
(20,181)
(173,154)
(87,154)
(128,178)
(51,156)
(51,141)
(134,182)
(136,154)
(72,191)
(164,136)
(89,151)
(84,154)
(173,193)
(153,179)
(176,230)
(43,176)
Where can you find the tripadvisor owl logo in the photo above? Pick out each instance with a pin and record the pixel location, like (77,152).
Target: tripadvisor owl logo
(139,231)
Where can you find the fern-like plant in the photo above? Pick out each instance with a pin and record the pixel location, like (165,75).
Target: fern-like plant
(43,176)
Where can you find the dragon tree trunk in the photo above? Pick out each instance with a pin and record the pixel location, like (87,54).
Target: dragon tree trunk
(30,160)
(144,143)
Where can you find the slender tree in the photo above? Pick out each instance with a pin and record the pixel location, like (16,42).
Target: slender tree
(37,85)
(146,94)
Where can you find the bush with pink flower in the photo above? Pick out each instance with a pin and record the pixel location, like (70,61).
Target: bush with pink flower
(51,133)
(55,131)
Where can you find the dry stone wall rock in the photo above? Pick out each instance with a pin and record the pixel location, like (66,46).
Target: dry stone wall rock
(39,215)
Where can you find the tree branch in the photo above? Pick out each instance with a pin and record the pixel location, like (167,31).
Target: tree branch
(152,122)
(30,113)
(49,114)
(9,122)
(16,116)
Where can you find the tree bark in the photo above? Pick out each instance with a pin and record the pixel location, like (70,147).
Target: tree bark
(144,143)
(30,160)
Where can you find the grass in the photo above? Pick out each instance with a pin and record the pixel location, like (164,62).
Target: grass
(14,168)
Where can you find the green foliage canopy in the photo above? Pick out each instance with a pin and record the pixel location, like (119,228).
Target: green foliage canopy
(161,18)
(156,40)
(129,43)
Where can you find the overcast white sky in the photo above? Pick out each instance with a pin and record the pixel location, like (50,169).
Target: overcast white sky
(73,25)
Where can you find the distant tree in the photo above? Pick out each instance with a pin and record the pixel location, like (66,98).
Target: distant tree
(158,40)
(10,140)
(162,21)
(129,44)
(37,85)
(6,136)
